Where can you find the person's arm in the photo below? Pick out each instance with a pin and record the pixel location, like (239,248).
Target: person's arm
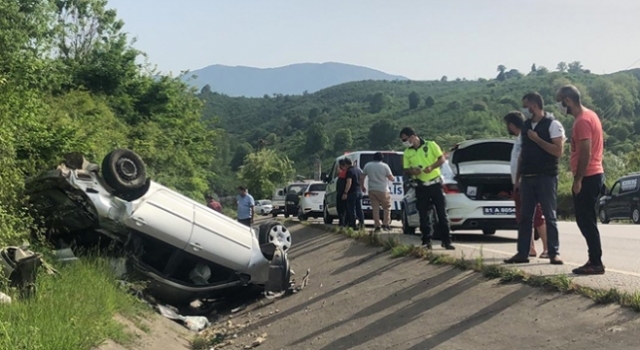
(252,204)
(438,153)
(582,135)
(390,176)
(556,146)
(518,169)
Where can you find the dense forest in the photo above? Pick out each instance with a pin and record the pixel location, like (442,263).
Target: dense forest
(70,80)
(369,114)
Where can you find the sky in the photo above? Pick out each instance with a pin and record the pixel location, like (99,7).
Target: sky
(419,39)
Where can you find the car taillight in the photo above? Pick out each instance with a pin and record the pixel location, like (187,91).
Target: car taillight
(310,194)
(451,188)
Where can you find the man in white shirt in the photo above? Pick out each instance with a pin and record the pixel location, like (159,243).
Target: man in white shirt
(379,175)
(514,121)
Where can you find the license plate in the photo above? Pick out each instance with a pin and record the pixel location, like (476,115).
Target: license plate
(366,202)
(499,210)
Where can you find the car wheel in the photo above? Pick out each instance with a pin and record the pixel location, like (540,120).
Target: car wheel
(489,231)
(124,171)
(328,220)
(635,216)
(274,215)
(301,215)
(604,218)
(276,233)
(262,212)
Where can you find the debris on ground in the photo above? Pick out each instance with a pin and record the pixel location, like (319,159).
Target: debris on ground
(4,299)
(193,323)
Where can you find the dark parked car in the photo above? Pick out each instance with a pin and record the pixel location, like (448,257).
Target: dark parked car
(622,202)
(292,199)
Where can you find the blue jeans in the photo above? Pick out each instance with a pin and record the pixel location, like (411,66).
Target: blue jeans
(541,189)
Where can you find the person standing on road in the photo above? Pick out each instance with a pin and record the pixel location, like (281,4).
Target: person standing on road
(515,121)
(422,160)
(340,186)
(245,206)
(379,175)
(588,173)
(352,194)
(537,176)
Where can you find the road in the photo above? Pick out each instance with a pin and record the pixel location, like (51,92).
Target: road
(359,297)
(620,244)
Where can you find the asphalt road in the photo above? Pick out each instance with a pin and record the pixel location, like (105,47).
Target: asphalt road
(359,297)
(620,243)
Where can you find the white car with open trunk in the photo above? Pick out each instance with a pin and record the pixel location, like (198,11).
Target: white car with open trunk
(477,186)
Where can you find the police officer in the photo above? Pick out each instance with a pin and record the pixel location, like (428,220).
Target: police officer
(422,160)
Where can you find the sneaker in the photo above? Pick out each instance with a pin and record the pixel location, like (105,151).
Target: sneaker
(516,259)
(589,269)
(376,229)
(448,246)
(427,246)
(386,228)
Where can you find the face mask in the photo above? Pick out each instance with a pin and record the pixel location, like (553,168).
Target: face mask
(527,113)
(407,143)
(564,109)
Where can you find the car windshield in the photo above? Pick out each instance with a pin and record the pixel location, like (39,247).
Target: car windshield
(394,160)
(265,202)
(298,188)
(317,187)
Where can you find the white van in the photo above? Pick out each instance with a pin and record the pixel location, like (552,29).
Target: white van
(360,159)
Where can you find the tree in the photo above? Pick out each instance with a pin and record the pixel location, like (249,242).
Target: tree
(513,73)
(383,134)
(575,67)
(263,171)
(501,73)
(479,106)
(317,140)
(238,157)
(561,67)
(542,71)
(444,78)
(454,105)
(502,68)
(314,113)
(377,102)
(414,100)
(533,68)
(429,102)
(342,141)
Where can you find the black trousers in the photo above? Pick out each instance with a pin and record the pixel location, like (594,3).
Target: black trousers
(341,207)
(584,204)
(245,222)
(426,196)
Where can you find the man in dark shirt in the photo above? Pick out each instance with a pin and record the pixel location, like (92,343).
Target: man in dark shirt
(352,194)
(341,184)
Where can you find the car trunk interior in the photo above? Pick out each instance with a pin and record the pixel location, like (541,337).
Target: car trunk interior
(487,185)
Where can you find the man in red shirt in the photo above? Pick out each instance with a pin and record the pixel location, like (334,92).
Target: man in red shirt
(588,173)
(213,204)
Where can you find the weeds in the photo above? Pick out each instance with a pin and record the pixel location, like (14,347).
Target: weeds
(73,310)
(504,274)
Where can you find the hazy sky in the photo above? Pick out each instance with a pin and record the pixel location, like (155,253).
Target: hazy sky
(420,39)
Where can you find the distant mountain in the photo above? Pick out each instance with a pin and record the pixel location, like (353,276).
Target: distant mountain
(293,79)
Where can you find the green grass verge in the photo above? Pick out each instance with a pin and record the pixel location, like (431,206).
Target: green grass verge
(505,274)
(73,310)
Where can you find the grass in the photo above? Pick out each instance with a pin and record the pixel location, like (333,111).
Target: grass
(504,274)
(73,310)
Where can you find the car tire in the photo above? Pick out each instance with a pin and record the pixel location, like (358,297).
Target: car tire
(488,231)
(274,215)
(301,215)
(604,218)
(635,216)
(124,171)
(326,218)
(274,230)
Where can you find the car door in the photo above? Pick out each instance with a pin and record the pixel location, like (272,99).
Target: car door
(165,215)
(628,189)
(332,184)
(220,239)
(614,203)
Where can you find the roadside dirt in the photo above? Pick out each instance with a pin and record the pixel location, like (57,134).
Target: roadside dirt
(164,335)
(360,298)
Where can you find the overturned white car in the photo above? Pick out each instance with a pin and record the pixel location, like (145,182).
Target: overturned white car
(185,249)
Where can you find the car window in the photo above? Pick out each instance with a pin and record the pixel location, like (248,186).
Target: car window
(294,189)
(485,151)
(317,188)
(615,190)
(393,160)
(628,185)
(335,170)
(266,202)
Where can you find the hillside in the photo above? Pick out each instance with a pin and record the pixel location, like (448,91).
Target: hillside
(291,79)
(332,120)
